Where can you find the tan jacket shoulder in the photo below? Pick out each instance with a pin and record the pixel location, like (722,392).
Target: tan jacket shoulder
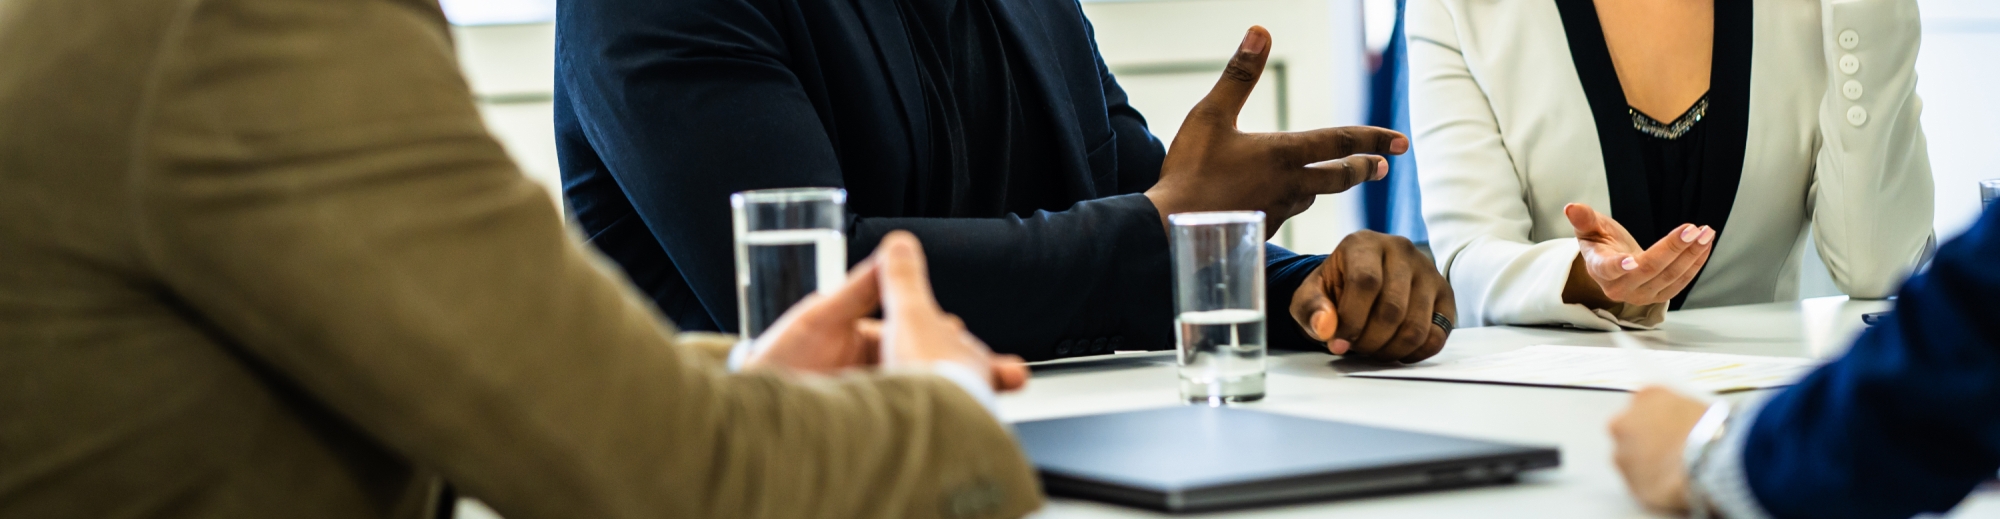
(325,231)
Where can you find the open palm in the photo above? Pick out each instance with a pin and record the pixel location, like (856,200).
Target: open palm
(1624,272)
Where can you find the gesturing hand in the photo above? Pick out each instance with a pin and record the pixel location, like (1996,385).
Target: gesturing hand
(1385,291)
(1613,269)
(1214,167)
(1650,436)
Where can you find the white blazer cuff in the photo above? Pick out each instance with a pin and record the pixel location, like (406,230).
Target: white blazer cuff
(1539,275)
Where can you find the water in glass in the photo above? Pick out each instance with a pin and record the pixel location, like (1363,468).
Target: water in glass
(1222,354)
(783,267)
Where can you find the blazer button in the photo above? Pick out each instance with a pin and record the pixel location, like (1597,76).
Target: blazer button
(1062,348)
(1849,64)
(1849,39)
(1116,341)
(1851,90)
(1857,116)
(1100,346)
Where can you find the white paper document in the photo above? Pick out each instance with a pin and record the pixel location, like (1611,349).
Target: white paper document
(1610,368)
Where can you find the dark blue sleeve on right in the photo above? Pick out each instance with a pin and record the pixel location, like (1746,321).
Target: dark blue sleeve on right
(1908,421)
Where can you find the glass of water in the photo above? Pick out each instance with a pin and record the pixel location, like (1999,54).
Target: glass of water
(789,243)
(1989,193)
(1218,262)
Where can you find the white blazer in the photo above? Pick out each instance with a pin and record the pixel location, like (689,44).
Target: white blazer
(1504,137)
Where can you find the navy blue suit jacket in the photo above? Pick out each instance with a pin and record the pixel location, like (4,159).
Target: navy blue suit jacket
(1908,420)
(665,107)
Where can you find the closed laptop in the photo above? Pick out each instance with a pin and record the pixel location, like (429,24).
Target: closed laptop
(1196,458)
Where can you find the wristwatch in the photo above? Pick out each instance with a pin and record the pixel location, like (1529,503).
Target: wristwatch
(1710,428)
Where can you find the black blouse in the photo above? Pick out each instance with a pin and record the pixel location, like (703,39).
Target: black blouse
(1662,175)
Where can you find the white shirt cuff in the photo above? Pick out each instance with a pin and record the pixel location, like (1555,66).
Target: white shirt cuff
(739,355)
(972,381)
(1721,476)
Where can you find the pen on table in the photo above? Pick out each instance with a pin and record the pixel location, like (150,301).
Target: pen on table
(1653,372)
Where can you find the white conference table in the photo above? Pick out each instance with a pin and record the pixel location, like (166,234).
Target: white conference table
(1587,485)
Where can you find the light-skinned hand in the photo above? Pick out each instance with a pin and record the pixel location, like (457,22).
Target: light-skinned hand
(828,333)
(1373,298)
(1650,436)
(1212,166)
(1612,268)
(916,333)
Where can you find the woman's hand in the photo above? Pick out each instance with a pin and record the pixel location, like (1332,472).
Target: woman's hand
(1613,269)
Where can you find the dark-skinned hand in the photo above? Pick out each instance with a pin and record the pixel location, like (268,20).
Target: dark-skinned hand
(1212,166)
(1373,298)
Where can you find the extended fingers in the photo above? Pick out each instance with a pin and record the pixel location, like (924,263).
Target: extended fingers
(1306,147)
(1661,266)
(1681,268)
(1678,279)
(1340,175)
(1671,246)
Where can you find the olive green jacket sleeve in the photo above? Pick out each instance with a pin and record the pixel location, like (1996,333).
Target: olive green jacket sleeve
(317,185)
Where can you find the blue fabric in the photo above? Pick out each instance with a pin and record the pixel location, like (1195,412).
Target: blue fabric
(1908,420)
(665,107)
(1394,206)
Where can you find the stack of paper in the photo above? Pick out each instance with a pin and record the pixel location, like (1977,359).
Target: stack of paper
(1610,368)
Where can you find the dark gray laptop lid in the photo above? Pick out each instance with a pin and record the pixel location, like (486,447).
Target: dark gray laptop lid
(1190,447)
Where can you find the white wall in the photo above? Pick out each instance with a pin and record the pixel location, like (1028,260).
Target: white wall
(1958,71)
(512,71)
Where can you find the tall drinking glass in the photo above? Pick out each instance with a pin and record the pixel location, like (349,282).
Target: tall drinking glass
(1989,193)
(1218,261)
(789,243)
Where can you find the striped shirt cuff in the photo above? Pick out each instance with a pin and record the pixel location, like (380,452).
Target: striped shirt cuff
(1721,476)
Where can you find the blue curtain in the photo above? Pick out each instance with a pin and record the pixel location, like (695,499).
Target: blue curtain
(1392,205)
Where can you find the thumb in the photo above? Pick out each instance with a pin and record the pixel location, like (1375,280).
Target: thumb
(1589,223)
(1314,310)
(1582,217)
(855,299)
(1238,79)
(906,280)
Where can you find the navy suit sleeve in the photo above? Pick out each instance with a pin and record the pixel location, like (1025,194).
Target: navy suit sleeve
(685,102)
(1139,152)
(1908,420)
